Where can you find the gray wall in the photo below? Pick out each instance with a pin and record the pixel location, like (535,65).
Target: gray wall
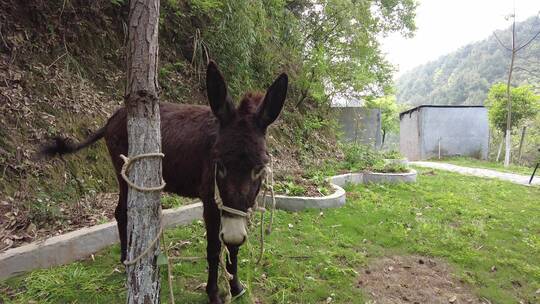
(409,135)
(361,125)
(461,131)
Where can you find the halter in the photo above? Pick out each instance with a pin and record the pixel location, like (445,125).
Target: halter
(222,207)
(268,184)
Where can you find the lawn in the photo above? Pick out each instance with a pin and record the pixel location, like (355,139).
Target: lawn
(477,163)
(487,230)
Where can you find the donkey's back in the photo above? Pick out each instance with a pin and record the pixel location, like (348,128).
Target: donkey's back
(187,136)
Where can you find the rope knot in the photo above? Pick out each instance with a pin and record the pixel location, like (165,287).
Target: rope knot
(128,162)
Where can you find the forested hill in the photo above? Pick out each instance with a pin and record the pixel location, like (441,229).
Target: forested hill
(465,76)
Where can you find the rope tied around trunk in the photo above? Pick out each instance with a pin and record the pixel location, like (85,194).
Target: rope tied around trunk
(147,250)
(128,162)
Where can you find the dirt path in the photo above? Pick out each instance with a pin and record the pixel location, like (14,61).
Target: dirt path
(414,279)
(510,177)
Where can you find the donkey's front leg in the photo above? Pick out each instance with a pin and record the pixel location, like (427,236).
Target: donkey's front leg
(232,268)
(213,247)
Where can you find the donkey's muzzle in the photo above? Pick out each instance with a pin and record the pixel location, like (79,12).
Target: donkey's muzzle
(233,230)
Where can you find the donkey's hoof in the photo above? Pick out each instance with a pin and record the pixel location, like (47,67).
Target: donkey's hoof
(238,293)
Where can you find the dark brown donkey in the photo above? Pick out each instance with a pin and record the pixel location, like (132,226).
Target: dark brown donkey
(199,141)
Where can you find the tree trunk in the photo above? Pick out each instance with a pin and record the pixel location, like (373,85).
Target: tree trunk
(144,136)
(509,97)
(500,150)
(521,142)
(383,138)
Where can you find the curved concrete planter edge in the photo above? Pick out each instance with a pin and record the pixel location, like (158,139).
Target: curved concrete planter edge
(392,178)
(79,244)
(298,203)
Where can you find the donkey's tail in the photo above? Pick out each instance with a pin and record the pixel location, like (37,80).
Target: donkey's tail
(61,145)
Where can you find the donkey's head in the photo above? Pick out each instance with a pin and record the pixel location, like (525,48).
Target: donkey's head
(239,152)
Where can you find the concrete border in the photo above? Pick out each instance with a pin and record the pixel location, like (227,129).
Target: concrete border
(391,178)
(347,178)
(79,244)
(298,203)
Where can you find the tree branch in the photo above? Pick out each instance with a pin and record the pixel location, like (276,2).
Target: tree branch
(500,42)
(528,42)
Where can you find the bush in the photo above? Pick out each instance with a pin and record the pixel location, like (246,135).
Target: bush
(389,167)
(359,157)
(392,154)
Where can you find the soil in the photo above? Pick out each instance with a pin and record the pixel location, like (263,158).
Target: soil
(17,229)
(296,177)
(414,279)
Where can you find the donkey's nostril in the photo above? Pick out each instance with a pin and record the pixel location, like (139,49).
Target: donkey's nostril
(233,230)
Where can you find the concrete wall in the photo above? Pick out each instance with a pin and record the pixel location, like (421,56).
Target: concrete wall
(361,125)
(409,135)
(462,131)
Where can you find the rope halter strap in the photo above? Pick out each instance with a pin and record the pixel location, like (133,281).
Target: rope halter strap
(233,211)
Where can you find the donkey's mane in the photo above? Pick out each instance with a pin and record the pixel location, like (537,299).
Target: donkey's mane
(250,102)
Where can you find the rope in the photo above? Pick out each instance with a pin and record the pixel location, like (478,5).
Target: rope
(224,254)
(268,184)
(223,259)
(128,161)
(145,252)
(169,267)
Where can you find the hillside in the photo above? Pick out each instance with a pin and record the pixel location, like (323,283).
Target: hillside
(465,76)
(62,73)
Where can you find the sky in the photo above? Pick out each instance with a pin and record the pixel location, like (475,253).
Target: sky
(444,26)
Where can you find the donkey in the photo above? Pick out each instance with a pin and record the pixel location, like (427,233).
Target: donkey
(200,142)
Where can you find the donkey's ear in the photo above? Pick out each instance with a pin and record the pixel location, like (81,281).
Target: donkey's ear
(273,101)
(220,101)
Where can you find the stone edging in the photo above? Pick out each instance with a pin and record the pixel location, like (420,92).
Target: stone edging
(298,203)
(79,244)
(375,177)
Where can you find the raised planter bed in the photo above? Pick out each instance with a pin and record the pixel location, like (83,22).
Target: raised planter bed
(297,203)
(392,178)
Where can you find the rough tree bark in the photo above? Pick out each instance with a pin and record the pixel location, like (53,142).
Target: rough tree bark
(144,136)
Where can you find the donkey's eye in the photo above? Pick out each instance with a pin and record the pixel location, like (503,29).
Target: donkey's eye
(222,171)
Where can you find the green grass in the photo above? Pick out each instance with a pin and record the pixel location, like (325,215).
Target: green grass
(170,201)
(472,223)
(476,163)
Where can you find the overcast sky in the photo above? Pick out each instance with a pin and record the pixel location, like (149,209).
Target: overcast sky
(445,25)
